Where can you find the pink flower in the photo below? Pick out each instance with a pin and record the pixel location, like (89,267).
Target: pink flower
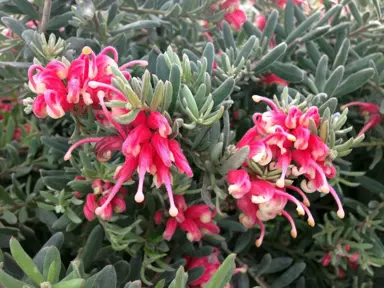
(146,147)
(239,183)
(367,109)
(61,89)
(210,263)
(270,79)
(326,259)
(99,197)
(236,18)
(195,220)
(281,141)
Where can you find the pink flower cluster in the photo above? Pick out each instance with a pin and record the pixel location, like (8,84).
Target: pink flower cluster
(281,139)
(195,220)
(147,148)
(352,260)
(62,87)
(233,15)
(101,192)
(371,110)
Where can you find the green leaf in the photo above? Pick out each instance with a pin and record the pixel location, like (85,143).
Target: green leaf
(209,54)
(74,283)
(21,65)
(10,130)
(235,160)
(9,217)
(27,8)
(289,20)
(321,72)
(288,72)
(138,25)
(162,69)
(25,262)
(127,118)
(52,265)
(16,26)
(9,282)
(94,243)
(228,37)
(354,82)
(4,196)
(60,21)
(106,278)
(376,3)
(263,265)
(333,81)
(270,26)
(123,269)
(270,58)
(371,184)
(289,276)
(231,225)
(195,273)
(355,12)
(315,33)
(223,91)
(251,29)
(278,264)
(342,55)
(224,274)
(243,241)
(324,20)
(175,79)
(180,280)
(245,50)
(302,27)
(158,96)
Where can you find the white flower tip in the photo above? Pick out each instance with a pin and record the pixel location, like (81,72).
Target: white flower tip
(280,183)
(291,138)
(256,98)
(293,233)
(139,197)
(93,85)
(341,213)
(311,222)
(173,211)
(307,203)
(324,189)
(258,242)
(99,211)
(300,210)
(67,156)
(258,199)
(86,50)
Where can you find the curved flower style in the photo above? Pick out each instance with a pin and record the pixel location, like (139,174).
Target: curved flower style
(196,220)
(146,146)
(371,110)
(281,139)
(62,87)
(101,192)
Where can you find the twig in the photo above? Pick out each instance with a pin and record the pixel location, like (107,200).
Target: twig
(45,15)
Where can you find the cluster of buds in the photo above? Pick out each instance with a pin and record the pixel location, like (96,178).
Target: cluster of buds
(282,141)
(195,220)
(101,192)
(351,259)
(369,110)
(62,86)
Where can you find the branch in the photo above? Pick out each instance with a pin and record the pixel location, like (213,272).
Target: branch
(45,15)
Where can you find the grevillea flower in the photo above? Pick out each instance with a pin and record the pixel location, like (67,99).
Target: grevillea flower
(62,87)
(370,110)
(233,14)
(101,192)
(195,220)
(146,147)
(281,140)
(270,79)
(210,264)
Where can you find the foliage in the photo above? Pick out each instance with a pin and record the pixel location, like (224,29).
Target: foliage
(197,64)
